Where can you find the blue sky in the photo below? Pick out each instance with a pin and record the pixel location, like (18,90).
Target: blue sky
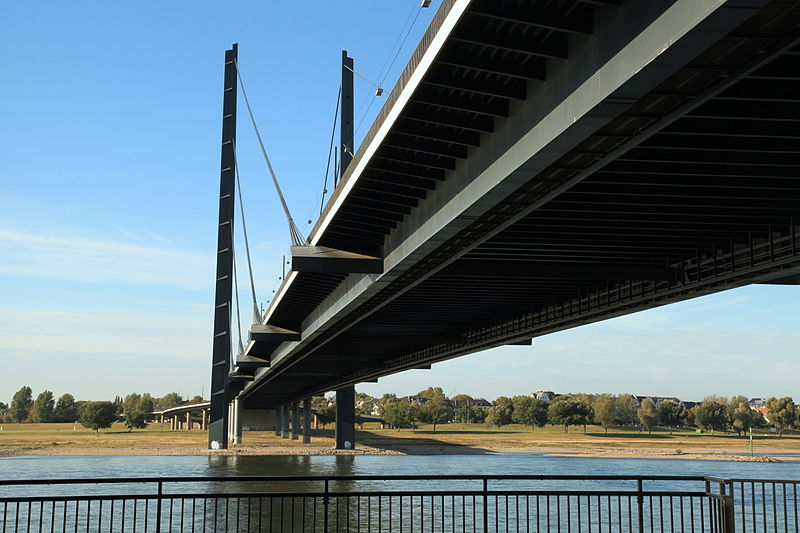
(109,160)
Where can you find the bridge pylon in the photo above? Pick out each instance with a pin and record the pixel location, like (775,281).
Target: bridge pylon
(221,350)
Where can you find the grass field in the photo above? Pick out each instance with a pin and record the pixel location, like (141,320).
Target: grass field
(17,439)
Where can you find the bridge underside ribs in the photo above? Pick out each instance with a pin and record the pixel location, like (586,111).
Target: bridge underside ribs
(512,214)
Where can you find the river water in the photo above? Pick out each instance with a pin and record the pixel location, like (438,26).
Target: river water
(38,467)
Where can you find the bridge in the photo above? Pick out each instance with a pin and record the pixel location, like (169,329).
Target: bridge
(537,167)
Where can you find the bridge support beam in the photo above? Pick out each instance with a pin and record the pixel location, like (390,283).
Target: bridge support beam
(284,421)
(237,421)
(307,421)
(295,420)
(278,421)
(346,418)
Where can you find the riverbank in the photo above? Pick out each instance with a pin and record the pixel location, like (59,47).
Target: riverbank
(451,439)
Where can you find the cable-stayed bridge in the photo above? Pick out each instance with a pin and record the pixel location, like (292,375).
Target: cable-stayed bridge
(539,165)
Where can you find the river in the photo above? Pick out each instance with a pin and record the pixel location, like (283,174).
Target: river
(37,467)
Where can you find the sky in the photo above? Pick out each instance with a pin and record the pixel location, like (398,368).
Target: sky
(109,169)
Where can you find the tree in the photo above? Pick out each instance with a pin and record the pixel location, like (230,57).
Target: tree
(170,400)
(529,411)
(118,405)
(733,404)
(461,407)
(436,411)
(65,410)
(781,412)
(98,415)
(475,414)
(135,410)
(626,409)
(501,412)
(605,410)
(21,404)
(671,414)
(690,419)
(326,413)
(43,407)
(711,414)
(742,418)
(365,406)
(396,413)
(568,411)
(432,393)
(647,414)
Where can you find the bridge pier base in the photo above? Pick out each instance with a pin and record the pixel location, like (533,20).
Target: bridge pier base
(346,418)
(307,421)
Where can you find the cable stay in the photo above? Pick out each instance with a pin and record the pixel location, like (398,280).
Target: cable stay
(378,88)
(330,152)
(383,75)
(256,313)
(238,314)
(294,233)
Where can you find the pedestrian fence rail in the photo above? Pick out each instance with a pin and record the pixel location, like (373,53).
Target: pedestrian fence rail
(424,504)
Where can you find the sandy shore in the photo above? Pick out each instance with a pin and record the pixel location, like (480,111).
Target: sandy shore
(710,454)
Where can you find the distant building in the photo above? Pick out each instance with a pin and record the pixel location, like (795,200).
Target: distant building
(546,395)
(760,405)
(689,405)
(419,400)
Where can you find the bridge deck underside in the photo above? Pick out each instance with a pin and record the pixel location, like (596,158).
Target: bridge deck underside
(692,189)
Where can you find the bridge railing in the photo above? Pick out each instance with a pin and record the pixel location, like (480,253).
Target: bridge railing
(464,504)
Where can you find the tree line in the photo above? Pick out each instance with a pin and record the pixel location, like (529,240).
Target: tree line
(134,409)
(713,413)
(431,406)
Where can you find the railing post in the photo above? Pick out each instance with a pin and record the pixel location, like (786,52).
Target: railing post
(158,506)
(325,501)
(728,507)
(640,503)
(485,506)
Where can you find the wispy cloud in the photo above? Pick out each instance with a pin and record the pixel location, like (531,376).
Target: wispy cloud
(59,332)
(69,257)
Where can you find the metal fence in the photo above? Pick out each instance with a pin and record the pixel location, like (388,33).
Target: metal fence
(764,505)
(434,504)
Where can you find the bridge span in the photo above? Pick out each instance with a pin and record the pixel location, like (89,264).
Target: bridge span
(540,166)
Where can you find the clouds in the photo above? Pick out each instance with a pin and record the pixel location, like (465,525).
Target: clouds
(69,256)
(57,333)
(100,355)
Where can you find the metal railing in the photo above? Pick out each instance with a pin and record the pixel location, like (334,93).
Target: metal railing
(456,504)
